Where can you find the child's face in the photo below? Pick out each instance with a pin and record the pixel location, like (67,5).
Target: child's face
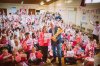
(33,50)
(5,52)
(21,52)
(16,43)
(65,42)
(94,41)
(28,36)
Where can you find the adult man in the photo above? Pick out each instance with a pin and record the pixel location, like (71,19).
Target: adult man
(96,31)
(56,44)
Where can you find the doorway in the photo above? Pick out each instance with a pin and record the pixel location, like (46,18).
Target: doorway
(3,10)
(31,11)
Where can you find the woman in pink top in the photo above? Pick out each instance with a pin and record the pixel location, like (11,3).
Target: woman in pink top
(43,44)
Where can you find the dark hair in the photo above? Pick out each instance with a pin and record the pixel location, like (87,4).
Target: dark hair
(27,34)
(97,22)
(33,35)
(9,13)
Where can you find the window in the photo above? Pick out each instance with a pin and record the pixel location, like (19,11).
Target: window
(96,1)
(92,1)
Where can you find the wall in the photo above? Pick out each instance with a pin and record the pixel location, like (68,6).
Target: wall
(74,10)
(18,6)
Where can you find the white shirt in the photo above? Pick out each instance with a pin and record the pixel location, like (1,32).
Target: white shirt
(12,43)
(70,53)
(32,56)
(17,47)
(16,33)
(23,20)
(29,42)
(16,17)
(4,17)
(10,17)
(96,30)
(35,41)
(0,18)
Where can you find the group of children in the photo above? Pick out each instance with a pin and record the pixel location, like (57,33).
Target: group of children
(19,40)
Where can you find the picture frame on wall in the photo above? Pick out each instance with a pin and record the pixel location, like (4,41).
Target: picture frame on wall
(13,10)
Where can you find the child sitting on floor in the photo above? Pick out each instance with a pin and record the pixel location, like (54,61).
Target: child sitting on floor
(69,57)
(6,58)
(89,60)
(35,57)
(5,55)
(20,57)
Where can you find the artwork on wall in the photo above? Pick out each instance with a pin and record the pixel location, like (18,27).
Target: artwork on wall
(13,10)
(3,11)
(94,11)
(91,14)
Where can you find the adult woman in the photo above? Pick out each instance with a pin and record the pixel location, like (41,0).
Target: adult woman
(43,43)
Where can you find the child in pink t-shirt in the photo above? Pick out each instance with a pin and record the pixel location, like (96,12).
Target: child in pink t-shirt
(5,56)
(35,56)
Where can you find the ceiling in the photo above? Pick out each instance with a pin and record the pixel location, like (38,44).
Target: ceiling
(27,1)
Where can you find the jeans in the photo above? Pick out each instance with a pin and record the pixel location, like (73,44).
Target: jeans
(58,52)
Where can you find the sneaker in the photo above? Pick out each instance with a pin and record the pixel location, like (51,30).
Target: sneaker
(60,64)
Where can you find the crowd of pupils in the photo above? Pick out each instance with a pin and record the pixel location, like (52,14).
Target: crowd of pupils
(19,42)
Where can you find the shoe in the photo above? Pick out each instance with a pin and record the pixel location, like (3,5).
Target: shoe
(53,61)
(60,64)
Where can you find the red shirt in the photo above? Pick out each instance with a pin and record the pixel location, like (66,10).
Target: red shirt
(41,40)
(39,54)
(2,56)
(3,41)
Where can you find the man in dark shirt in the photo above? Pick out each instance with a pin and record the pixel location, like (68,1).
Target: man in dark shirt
(56,44)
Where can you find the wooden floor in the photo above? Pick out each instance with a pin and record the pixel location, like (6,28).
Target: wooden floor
(56,64)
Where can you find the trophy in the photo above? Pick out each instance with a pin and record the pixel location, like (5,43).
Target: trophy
(59,31)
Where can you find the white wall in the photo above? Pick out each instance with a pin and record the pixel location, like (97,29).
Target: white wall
(64,9)
(8,6)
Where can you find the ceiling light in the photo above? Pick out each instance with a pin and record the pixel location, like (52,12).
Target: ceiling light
(48,0)
(42,3)
(68,1)
(59,4)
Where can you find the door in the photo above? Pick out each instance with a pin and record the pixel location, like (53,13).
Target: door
(3,10)
(31,11)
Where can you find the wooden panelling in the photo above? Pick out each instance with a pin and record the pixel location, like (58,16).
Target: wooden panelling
(27,1)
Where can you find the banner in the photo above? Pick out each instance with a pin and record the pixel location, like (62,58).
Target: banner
(47,35)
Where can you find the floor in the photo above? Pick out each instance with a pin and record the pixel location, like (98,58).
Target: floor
(56,64)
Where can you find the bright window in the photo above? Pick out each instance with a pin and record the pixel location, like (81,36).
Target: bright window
(92,1)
